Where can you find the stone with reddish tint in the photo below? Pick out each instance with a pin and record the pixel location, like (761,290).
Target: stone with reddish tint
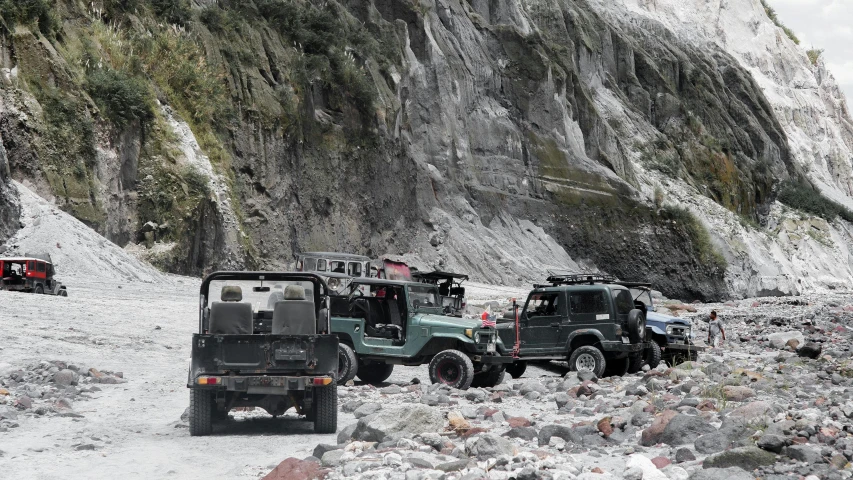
(474,431)
(490,412)
(295,469)
(661,462)
(518,422)
(651,436)
(605,427)
(706,406)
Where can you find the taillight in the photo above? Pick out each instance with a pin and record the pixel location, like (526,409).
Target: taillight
(208,381)
(322,381)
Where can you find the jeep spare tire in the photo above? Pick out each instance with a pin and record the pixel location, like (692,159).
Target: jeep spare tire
(347,364)
(636,326)
(588,359)
(374,373)
(452,368)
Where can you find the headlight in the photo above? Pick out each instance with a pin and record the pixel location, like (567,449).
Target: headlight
(469,333)
(477,337)
(669,329)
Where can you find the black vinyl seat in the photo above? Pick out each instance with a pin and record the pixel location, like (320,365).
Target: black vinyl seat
(231,316)
(295,315)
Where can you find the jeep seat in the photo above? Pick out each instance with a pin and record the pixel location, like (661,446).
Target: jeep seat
(295,315)
(231,316)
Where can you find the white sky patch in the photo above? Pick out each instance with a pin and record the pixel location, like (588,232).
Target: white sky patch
(827,25)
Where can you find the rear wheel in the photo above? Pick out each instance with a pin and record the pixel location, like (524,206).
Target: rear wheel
(653,354)
(616,367)
(636,362)
(201,412)
(39,289)
(491,378)
(347,364)
(326,409)
(63,293)
(516,370)
(588,359)
(452,368)
(374,372)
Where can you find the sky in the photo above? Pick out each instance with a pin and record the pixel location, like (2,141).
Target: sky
(827,25)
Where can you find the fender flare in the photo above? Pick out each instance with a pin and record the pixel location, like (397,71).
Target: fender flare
(655,329)
(583,332)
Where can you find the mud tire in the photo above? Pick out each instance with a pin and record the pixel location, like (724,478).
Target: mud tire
(201,412)
(452,368)
(326,409)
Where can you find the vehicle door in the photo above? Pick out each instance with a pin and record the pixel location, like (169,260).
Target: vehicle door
(589,309)
(645,297)
(541,322)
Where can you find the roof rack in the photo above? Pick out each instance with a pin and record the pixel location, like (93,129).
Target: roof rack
(580,279)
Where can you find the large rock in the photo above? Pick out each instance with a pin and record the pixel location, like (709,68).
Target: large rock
(803,453)
(684,429)
(65,377)
(747,458)
(652,435)
(731,473)
(295,469)
(771,443)
(406,420)
(561,431)
(487,446)
(810,350)
(780,339)
(731,434)
(367,409)
(737,393)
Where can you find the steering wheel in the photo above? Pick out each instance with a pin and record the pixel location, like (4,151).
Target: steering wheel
(416,303)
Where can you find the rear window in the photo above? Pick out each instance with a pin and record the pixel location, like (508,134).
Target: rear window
(623,301)
(338,267)
(321,265)
(39,267)
(588,302)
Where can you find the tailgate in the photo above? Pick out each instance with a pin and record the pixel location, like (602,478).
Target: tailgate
(264,354)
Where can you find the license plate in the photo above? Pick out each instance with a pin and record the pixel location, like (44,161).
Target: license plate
(490,348)
(290,355)
(625,340)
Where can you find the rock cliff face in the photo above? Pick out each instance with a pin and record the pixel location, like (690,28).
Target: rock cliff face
(9,209)
(497,138)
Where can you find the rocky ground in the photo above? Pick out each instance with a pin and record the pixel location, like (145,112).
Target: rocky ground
(95,382)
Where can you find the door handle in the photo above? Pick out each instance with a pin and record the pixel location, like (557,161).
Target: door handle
(555,324)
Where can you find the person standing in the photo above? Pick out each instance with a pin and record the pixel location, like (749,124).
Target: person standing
(716,331)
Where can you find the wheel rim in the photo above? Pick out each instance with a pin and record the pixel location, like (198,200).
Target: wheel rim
(585,363)
(448,372)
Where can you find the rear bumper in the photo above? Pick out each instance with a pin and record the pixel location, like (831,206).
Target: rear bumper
(622,347)
(268,385)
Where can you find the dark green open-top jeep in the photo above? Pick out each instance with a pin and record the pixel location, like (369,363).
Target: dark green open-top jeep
(382,323)
(587,320)
(266,343)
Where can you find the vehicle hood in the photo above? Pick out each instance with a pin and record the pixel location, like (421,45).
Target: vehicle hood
(655,317)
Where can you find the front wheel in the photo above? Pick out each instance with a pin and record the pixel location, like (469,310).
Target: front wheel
(325,409)
(588,359)
(374,373)
(653,354)
(452,368)
(516,370)
(347,364)
(201,412)
(39,289)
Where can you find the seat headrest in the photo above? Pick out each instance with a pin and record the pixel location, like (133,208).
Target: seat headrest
(231,294)
(294,292)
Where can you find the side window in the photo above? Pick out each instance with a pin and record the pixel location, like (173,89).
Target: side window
(623,301)
(338,267)
(39,267)
(321,265)
(354,269)
(31,266)
(543,304)
(588,303)
(309,265)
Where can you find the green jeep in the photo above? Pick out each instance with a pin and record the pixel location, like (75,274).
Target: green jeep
(382,323)
(587,320)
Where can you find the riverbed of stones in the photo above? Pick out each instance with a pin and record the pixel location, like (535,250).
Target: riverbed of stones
(48,388)
(775,402)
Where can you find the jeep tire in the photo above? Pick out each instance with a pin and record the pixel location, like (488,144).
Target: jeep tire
(39,289)
(325,409)
(347,364)
(617,367)
(374,373)
(636,326)
(588,358)
(516,369)
(489,379)
(653,354)
(636,362)
(201,412)
(452,368)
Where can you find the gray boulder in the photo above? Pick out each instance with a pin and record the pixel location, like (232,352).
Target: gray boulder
(772,443)
(684,429)
(747,458)
(487,446)
(406,420)
(562,431)
(731,473)
(366,409)
(803,453)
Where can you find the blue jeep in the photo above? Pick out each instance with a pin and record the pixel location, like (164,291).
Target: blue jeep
(673,338)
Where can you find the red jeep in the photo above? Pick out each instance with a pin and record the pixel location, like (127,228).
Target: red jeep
(29,274)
